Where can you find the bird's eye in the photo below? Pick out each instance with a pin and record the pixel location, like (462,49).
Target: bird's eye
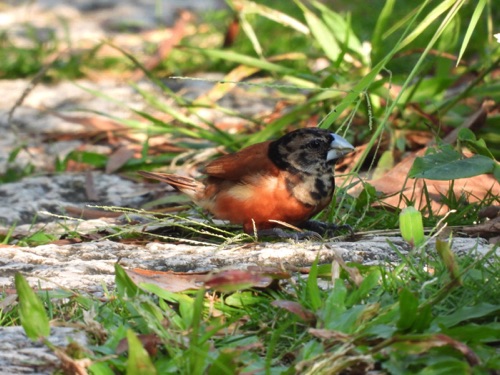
(314,144)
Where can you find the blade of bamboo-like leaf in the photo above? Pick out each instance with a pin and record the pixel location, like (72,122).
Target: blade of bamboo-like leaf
(322,34)
(381,24)
(403,22)
(250,33)
(340,27)
(243,59)
(428,20)
(363,84)
(472,25)
(249,7)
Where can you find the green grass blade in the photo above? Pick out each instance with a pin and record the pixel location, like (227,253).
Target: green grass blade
(472,25)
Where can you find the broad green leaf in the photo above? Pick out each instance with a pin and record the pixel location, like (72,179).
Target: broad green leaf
(449,165)
(92,158)
(181,319)
(424,319)
(311,349)
(40,238)
(446,366)
(334,305)
(242,299)
(34,319)
(496,172)
(370,282)
(367,196)
(467,138)
(484,332)
(472,25)
(383,331)
(467,313)
(226,363)
(408,309)
(350,320)
(138,362)
(125,287)
(101,368)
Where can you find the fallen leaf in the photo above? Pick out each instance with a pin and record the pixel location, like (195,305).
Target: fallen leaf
(327,334)
(149,341)
(296,309)
(8,302)
(490,212)
(178,32)
(170,281)
(399,189)
(232,280)
(231,33)
(490,228)
(119,158)
(276,273)
(87,213)
(90,189)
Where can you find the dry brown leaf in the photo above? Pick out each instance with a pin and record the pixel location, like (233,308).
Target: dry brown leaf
(149,341)
(119,158)
(164,48)
(490,228)
(90,190)
(326,334)
(394,182)
(232,32)
(93,122)
(89,214)
(296,309)
(8,302)
(232,280)
(66,241)
(271,271)
(170,281)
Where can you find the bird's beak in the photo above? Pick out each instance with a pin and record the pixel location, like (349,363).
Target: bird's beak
(338,148)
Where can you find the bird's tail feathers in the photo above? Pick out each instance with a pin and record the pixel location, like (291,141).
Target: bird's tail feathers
(187,185)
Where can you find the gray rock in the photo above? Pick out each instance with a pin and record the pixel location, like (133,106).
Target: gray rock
(22,201)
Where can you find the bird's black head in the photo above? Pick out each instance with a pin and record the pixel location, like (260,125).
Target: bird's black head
(308,150)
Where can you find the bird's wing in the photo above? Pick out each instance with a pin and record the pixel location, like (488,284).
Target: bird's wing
(244,163)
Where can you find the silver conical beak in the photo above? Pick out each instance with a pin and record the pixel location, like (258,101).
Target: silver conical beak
(338,148)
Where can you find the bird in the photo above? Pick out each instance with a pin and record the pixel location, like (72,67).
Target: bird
(286,180)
